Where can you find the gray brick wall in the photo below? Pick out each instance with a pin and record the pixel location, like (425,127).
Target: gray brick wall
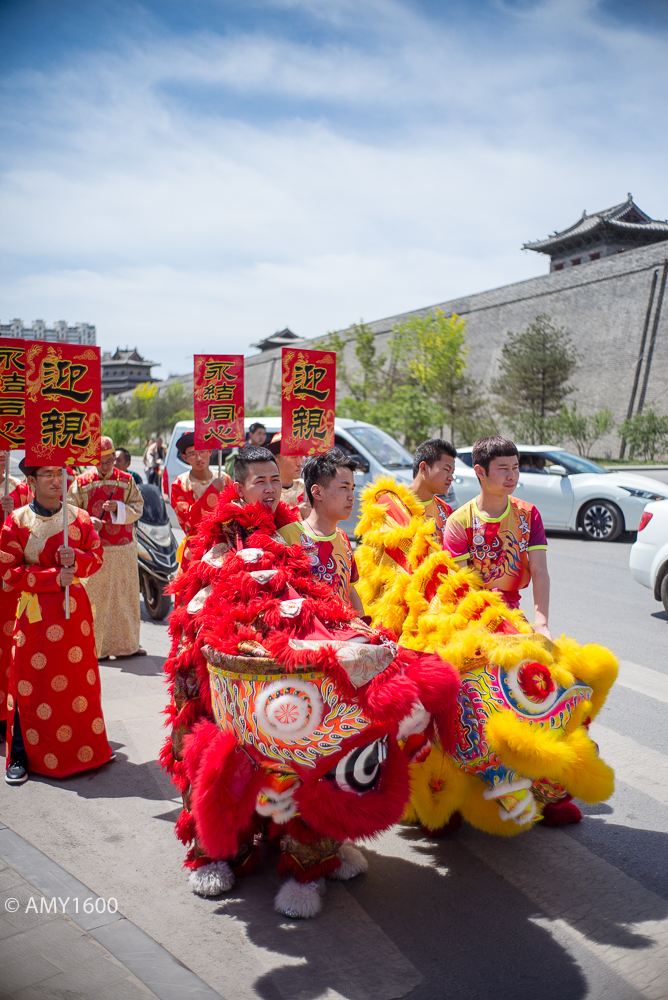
(602,303)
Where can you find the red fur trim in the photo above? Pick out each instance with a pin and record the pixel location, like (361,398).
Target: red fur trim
(285,514)
(333,812)
(194,860)
(185,827)
(560,813)
(225,789)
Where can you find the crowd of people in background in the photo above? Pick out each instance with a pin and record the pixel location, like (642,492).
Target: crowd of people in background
(50,692)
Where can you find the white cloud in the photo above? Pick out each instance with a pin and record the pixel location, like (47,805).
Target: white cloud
(202,192)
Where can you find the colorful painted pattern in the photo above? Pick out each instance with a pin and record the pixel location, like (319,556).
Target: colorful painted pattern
(492,689)
(295,718)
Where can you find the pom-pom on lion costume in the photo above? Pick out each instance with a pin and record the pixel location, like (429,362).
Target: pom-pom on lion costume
(522,750)
(287,712)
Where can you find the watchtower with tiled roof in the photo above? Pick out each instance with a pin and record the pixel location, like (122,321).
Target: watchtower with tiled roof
(614,230)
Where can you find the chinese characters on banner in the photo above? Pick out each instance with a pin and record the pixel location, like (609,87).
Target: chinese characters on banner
(308,393)
(12,393)
(63,403)
(219,401)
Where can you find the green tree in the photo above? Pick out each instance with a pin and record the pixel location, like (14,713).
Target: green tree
(434,351)
(646,434)
(417,386)
(119,430)
(367,388)
(532,384)
(584,431)
(147,412)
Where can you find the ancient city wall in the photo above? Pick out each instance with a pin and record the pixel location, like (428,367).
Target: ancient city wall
(603,303)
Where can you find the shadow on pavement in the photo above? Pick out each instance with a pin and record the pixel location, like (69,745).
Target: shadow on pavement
(119,779)
(464,931)
(139,665)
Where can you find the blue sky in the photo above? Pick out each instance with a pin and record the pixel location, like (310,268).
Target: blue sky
(192,175)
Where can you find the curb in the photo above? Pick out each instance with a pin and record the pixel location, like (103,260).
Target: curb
(152,964)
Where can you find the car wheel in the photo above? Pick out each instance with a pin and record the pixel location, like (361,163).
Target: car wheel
(664,593)
(601,521)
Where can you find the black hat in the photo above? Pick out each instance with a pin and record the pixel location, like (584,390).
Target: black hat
(27,470)
(186,440)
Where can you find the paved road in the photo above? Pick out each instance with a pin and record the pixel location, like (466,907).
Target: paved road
(556,914)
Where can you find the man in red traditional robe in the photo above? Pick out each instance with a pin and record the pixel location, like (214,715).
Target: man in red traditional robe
(194,493)
(114,503)
(18,495)
(55,725)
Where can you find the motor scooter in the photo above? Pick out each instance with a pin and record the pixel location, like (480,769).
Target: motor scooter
(156,548)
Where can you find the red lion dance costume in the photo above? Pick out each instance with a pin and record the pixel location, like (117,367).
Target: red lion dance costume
(287,712)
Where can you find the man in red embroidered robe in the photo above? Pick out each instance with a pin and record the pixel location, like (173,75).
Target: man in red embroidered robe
(194,493)
(18,495)
(55,725)
(114,503)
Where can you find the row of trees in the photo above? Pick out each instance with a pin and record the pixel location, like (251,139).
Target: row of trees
(420,385)
(148,413)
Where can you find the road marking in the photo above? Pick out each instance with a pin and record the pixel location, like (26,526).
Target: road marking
(611,914)
(636,765)
(644,680)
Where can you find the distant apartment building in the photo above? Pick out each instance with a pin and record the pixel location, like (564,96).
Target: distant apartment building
(60,332)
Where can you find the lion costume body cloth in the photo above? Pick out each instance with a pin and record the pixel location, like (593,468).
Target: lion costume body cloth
(525,703)
(290,717)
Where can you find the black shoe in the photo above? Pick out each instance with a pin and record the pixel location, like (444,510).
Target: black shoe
(16,773)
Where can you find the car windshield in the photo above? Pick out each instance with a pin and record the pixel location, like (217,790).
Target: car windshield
(384,448)
(574,463)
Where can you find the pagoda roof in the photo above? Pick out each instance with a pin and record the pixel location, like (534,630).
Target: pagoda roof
(284,338)
(124,357)
(621,221)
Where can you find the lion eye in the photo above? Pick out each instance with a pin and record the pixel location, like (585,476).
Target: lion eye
(359,770)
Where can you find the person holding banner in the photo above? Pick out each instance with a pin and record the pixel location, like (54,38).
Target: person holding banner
(55,724)
(114,503)
(290,468)
(18,495)
(194,493)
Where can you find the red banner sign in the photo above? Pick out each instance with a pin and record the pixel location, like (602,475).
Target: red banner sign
(219,401)
(308,395)
(12,393)
(63,404)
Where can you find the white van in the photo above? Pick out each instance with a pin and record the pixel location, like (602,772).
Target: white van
(376,451)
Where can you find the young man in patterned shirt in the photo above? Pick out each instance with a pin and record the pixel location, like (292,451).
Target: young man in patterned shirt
(329,482)
(499,535)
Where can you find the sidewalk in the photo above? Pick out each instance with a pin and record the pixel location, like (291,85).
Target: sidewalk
(59,939)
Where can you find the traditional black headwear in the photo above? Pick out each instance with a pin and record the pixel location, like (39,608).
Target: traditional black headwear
(274,445)
(186,440)
(27,470)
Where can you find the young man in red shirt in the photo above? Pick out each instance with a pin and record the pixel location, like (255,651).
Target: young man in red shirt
(499,535)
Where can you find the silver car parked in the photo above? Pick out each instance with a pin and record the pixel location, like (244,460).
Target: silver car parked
(572,492)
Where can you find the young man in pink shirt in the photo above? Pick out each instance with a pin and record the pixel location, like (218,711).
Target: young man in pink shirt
(499,535)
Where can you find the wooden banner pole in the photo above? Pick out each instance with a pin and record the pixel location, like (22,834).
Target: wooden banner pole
(65,539)
(7,454)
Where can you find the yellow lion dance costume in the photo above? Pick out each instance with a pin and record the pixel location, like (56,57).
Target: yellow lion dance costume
(525,703)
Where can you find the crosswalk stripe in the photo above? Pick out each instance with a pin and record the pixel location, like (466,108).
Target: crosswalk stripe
(644,680)
(611,914)
(636,765)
